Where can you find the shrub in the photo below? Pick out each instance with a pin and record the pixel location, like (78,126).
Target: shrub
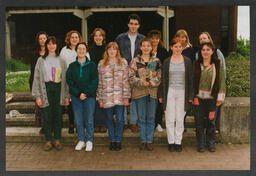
(243,47)
(14,65)
(238,76)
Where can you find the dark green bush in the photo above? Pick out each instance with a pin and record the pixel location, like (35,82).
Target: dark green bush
(243,47)
(238,76)
(14,65)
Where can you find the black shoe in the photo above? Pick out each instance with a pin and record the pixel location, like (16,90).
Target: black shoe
(200,148)
(112,146)
(118,146)
(41,131)
(71,129)
(178,147)
(171,147)
(211,148)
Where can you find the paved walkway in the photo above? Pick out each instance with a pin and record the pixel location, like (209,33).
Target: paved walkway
(30,156)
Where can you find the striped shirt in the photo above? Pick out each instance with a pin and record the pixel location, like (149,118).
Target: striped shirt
(177,76)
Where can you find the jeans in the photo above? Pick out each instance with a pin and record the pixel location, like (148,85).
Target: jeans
(133,113)
(84,112)
(146,107)
(119,111)
(100,115)
(205,109)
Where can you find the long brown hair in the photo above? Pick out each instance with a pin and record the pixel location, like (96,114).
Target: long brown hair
(38,47)
(183,32)
(105,56)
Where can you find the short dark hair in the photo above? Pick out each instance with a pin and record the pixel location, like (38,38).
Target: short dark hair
(81,43)
(134,17)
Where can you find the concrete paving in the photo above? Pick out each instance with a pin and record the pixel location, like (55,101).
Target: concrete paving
(31,156)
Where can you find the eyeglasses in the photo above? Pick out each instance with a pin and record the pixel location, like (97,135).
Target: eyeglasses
(136,24)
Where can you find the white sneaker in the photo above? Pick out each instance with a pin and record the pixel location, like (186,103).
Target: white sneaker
(159,128)
(80,145)
(88,146)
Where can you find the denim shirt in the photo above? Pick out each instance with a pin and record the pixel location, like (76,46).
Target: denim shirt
(124,44)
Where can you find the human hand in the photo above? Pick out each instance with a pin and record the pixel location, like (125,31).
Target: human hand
(160,100)
(82,96)
(66,102)
(39,102)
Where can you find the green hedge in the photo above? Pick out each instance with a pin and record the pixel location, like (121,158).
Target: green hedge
(14,65)
(238,76)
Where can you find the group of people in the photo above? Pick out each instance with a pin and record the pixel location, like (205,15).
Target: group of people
(100,82)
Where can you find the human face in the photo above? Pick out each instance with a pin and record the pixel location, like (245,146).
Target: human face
(112,52)
(133,26)
(74,39)
(183,39)
(146,48)
(176,49)
(42,39)
(98,38)
(81,51)
(206,52)
(155,40)
(203,38)
(51,47)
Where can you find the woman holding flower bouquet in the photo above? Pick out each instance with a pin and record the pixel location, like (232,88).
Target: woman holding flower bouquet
(145,77)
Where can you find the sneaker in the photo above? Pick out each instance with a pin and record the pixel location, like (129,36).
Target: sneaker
(171,147)
(112,146)
(149,146)
(47,146)
(159,128)
(178,147)
(134,128)
(80,145)
(88,146)
(57,145)
(118,146)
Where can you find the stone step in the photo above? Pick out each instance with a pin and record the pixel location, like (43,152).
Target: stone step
(22,96)
(29,120)
(31,134)
(22,107)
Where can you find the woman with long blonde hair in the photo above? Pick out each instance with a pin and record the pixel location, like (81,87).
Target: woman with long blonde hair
(113,91)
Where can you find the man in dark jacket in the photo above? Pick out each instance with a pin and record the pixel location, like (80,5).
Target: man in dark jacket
(128,43)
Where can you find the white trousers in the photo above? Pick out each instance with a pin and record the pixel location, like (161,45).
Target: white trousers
(174,115)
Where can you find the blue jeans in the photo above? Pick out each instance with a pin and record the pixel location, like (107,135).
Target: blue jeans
(84,112)
(146,107)
(119,111)
(100,115)
(202,121)
(133,113)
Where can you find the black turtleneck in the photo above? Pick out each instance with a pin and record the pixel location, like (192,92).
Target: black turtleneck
(96,53)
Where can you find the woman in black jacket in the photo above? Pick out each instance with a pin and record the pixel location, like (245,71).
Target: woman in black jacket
(96,51)
(41,38)
(161,53)
(176,93)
